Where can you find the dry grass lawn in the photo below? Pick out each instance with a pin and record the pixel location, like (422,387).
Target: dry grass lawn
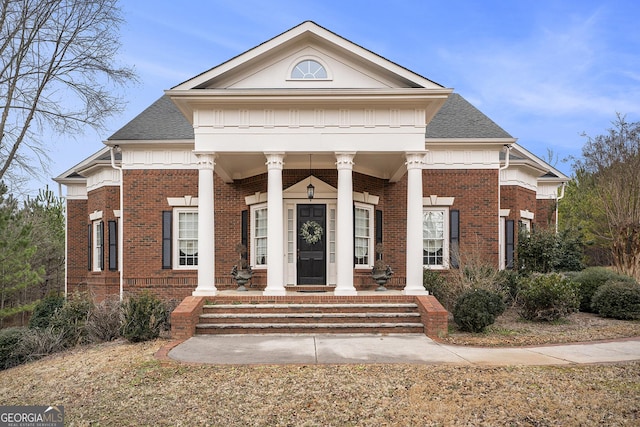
(121,384)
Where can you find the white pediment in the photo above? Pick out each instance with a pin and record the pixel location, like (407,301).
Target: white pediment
(268,65)
(299,189)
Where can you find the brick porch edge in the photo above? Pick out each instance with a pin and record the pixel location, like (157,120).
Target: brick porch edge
(184,318)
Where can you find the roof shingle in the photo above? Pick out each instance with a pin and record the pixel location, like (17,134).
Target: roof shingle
(459,119)
(160,121)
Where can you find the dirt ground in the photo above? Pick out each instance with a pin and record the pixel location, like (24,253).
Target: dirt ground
(511,330)
(122,384)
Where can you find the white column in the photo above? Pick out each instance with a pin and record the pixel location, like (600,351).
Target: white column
(344,226)
(414,286)
(275,226)
(206,239)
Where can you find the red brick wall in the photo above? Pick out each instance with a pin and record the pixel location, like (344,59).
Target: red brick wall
(77,220)
(545,213)
(145,197)
(102,283)
(516,199)
(476,197)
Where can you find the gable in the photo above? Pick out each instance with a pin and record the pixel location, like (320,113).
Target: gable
(269,65)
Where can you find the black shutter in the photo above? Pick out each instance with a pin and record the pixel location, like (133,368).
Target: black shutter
(113,245)
(244,230)
(454,238)
(89,247)
(101,260)
(244,233)
(378,226)
(509,243)
(167,217)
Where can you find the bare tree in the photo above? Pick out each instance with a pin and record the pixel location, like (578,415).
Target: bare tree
(57,73)
(610,178)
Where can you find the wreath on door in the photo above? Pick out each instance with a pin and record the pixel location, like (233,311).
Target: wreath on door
(311,232)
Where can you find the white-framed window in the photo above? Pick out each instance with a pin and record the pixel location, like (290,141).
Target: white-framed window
(435,237)
(309,69)
(363,236)
(185,244)
(98,245)
(259,235)
(524,226)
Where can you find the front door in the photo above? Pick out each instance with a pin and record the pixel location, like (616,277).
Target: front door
(312,237)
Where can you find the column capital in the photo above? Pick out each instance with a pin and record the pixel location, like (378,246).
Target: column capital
(415,160)
(344,160)
(274,160)
(206,159)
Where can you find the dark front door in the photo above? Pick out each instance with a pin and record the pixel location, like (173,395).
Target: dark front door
(312,244)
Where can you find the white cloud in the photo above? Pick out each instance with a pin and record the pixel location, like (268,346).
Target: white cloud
(563,70)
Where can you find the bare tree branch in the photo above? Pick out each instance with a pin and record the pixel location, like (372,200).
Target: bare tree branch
(57,71)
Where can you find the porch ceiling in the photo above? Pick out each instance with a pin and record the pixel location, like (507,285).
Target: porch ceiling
(384,165)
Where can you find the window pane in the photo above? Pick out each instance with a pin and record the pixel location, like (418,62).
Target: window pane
(98,246)
(433,237)
(260,236)
(361,231)
(290,242)
(309,69)
(187,238)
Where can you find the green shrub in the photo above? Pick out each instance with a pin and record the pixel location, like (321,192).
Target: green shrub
(144,317)
(477,309)
(105,321)
(590,279)
(508,282)
(437,286)
(544,251)
(69,321)
(44,310)
(618,300)
(547,297)
(9,340)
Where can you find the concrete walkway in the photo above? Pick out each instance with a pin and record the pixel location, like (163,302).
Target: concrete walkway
(360,349)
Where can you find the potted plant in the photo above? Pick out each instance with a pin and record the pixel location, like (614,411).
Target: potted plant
(381,272)
(241,272)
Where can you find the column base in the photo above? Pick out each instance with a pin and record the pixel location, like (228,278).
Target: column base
(274,292)
(205,292)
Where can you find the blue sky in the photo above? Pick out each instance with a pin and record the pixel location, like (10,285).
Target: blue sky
(546,71)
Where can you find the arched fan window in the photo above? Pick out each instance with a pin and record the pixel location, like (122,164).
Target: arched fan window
(309,69)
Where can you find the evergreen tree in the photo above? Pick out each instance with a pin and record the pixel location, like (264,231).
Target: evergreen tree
(17,276)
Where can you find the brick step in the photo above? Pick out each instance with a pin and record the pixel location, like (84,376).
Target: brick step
(312,308)
(309,317)
(306,328)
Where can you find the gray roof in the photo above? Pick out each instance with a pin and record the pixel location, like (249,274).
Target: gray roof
(459,119)
(161,121)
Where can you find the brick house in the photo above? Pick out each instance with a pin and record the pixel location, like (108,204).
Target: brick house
(229,157)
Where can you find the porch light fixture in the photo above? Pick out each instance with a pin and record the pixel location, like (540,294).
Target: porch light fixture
(310,188)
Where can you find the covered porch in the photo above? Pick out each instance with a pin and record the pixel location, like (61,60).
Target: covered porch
(284,209)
